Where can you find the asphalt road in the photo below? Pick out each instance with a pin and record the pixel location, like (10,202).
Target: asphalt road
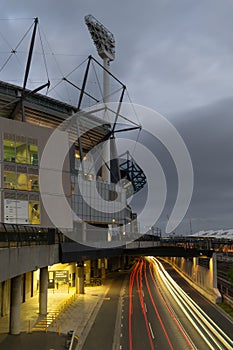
(153,324)
(225,323)
(101,335)
(148,317)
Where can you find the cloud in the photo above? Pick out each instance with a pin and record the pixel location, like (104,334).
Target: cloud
(174,56)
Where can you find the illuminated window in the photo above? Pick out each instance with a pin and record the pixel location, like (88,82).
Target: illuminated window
(22,182)
(77,154)
(34,213)
(9,151)
(21,153)
(10,180)
(33,154)
(33,183)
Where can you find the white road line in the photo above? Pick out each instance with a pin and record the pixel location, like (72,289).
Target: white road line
(121,335)
(145,307)
(152,334)
(142,293)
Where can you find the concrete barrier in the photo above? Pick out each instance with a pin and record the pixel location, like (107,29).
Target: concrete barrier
(200,278)
(19,260)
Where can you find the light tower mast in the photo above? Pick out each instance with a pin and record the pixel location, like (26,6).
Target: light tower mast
(105,45)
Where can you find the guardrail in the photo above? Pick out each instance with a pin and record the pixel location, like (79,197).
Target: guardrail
(13,235)
(142,244)
(70,340)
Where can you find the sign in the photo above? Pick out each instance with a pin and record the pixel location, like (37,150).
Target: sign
(15,211)
(62,276)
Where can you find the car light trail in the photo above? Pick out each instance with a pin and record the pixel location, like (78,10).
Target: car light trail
(131,283)
(172,313)
(141,296)
(214,337)
(156,311)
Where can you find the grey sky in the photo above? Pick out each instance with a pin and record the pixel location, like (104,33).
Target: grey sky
(174,56)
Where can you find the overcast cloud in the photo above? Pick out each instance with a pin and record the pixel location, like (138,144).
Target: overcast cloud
(175,57)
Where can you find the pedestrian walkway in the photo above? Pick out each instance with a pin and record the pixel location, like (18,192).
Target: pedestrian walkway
(65,312)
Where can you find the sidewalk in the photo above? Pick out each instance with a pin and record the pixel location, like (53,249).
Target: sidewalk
(65,312)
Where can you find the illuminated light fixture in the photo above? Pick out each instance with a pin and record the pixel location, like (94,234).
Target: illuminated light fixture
(102,37)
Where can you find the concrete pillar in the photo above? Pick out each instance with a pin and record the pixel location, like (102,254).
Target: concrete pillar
(43,292)
(15,305)
(80,278)
(88,271)
(213,271)
(95,268)
(102,268)
(84,232)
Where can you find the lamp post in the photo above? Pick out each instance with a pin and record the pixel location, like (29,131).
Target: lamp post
(105,45)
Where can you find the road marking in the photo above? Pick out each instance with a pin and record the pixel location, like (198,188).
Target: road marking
(120,346)
(121,324)
(142,293)
(122,316)
(145,307)
(152,334)
(121,335)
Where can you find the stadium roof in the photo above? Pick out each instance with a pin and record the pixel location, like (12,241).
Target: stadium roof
(218,234)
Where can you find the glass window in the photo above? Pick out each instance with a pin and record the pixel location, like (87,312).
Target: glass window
(21,153)
(10,180)
(22,182)
(33,183)
(33,154)
(72,188)
(34,213)
(9,151)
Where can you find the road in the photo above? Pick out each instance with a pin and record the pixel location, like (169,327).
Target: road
(151,312)
(101,335)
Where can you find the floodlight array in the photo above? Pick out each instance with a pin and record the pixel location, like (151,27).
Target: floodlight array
(102,37)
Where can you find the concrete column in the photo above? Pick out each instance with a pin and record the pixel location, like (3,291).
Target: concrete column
(213,271)
(103,271)
(43,292)
(95,268)
(15,305)
(80,278)
(88,271)
(84,232)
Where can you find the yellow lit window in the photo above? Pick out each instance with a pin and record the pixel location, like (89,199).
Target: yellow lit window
(33,154)
(22,182)
(34,213)
(33,183)
(9,151)
(21,153)
(10,180)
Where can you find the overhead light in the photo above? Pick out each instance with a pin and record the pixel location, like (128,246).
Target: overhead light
(102,37)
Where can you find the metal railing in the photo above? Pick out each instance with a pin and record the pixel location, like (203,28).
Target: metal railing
(13,235)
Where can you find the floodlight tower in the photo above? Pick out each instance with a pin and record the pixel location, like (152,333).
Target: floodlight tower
(105,45)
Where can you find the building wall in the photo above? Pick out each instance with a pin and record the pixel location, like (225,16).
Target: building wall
(41,135)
